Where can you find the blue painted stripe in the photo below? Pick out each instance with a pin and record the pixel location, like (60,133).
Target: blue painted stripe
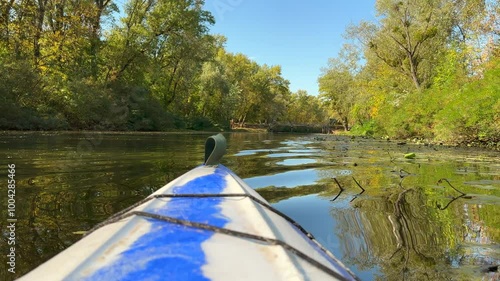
(169,251)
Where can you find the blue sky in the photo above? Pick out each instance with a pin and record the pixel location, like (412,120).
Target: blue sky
(299,35)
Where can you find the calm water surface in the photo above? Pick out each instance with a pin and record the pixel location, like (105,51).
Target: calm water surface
(405,225)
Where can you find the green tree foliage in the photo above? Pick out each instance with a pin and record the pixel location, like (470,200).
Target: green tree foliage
(409,35)
(338,84)
(304,109)
(152,66)
(217,97)
(473,111)
(427,72)
(234,87)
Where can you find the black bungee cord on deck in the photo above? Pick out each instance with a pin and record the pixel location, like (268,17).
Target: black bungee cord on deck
(128,213)
(215,147)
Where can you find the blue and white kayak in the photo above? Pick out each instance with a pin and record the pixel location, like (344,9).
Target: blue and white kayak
(205,225)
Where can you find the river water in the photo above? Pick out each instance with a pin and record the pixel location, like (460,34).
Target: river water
(406,224)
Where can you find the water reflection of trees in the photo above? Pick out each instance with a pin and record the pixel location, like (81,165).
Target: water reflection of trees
(66,197)
(55,206)
(398,233)
(48,219)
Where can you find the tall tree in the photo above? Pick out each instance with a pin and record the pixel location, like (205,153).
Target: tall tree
(476,27)
(272,91)
(337,84)
(161,45)
(409,36)
(240,71)
(217,96)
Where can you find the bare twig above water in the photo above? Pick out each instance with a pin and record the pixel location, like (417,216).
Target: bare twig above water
(390,157)
(358,185)
(362,190)
(402,175)
(340,192)
(443,179)
(462,195)
(337,182)
(449,203)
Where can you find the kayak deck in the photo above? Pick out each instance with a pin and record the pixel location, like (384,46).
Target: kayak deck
(205,225)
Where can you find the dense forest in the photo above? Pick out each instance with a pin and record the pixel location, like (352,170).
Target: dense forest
(425,69)
(153,66)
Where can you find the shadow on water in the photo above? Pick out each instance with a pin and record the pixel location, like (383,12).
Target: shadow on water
(385,216)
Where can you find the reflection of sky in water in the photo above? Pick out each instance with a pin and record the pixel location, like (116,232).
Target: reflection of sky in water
(478,246)
(296,142)
(308,150)
(296,162)
(281,155)
(342,172)
(313,213)
(295,178)
(484,184)
(280,152)
(254,151)
(286,179)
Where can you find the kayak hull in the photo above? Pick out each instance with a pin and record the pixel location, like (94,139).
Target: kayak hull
(205,225)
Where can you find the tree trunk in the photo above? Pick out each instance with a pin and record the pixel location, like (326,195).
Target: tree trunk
(95,41)
(166,101)
(38,32)
(413,71)
(345,124)
(5,21)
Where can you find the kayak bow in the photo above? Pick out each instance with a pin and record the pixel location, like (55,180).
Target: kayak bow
(205,225)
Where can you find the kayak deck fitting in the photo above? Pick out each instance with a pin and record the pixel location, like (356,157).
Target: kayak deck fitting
(205,225)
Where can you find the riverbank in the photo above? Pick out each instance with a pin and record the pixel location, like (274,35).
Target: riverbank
(316,136)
